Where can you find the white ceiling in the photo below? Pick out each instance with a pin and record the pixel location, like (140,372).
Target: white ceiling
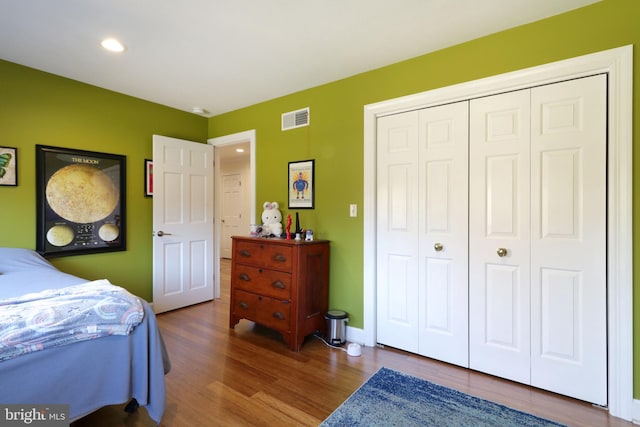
(230,153)
(221,55)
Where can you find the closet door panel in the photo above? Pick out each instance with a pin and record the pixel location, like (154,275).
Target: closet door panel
(559,192)
(397,229)
(502,197)
(568,239)
(443,230)
(499,192)
(502,294)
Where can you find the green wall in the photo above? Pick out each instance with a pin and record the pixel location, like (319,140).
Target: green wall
(41,108)
(335,136)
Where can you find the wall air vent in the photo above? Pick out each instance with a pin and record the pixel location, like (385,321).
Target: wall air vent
(295,119)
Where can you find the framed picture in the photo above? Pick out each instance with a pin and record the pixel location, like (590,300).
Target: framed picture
(80,201)
(8,166)
(148,177)
(301,184)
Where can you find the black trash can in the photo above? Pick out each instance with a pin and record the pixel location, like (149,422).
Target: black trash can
(336,327)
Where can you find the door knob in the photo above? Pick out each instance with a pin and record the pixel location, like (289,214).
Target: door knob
(502,252)
(162,233)
(438,247)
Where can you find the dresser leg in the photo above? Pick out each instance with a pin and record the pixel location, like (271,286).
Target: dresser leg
(291,341)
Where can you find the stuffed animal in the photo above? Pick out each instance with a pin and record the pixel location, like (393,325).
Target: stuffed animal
(271,219)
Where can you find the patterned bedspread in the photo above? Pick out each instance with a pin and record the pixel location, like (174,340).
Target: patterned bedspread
(62,316)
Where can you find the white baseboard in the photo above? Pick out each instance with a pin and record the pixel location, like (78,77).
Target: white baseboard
(636,412)
(356,335)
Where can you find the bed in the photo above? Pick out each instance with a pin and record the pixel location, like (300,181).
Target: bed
(86,374)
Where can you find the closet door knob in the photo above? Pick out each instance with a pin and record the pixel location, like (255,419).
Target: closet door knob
(438,247)
(502,252)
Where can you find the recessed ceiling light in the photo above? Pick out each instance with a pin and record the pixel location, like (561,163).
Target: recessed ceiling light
(239,150)
(112,45)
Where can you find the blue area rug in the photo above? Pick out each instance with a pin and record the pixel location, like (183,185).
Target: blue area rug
(391,398)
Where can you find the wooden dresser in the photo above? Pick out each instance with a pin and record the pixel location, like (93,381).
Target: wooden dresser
(280,284)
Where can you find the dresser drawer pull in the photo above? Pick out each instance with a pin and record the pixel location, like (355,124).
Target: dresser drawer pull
(245,253)
(278,284)
(279,258)
(243,305)
(278,315)
(245,277)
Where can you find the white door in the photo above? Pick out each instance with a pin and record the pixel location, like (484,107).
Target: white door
(231,216)
(568,238)
(535,288)
(538,237)
(422,232)
(183,244)
(443,244)
(499,254)
(397,231)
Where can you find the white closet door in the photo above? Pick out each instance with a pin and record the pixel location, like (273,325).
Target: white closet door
(568,239)
(443,243)
(397,231)
(499,297)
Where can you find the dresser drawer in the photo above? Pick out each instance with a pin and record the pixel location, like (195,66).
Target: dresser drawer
(269,312)
(266,255)
(274,313)
(272,283)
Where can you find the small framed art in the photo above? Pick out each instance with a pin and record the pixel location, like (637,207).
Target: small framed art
(148,177)
(301,184)
(8,166)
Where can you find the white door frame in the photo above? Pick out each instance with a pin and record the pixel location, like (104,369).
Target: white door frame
(235,138)
(618,63)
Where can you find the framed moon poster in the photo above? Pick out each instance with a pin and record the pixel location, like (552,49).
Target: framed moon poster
(80,201)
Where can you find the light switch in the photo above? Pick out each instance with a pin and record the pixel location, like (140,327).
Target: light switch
(353,210)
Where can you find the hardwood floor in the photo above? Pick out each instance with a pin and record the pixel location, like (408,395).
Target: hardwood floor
(248,376)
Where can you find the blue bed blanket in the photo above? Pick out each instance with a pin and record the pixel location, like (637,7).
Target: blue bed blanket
(56,317)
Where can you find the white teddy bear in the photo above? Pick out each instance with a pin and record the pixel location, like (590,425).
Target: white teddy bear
(271,219)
